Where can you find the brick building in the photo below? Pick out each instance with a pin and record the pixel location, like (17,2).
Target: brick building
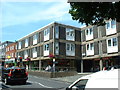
(11,51)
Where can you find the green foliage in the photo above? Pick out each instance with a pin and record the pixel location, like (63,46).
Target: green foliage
(95,13)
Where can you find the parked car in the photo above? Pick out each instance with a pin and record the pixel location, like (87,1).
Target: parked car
(14,74)
(95,81)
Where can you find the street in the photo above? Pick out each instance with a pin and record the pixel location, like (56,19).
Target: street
(38,83)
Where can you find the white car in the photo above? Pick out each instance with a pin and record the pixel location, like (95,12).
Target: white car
(97,81)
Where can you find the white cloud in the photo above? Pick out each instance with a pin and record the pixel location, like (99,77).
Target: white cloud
(14,14)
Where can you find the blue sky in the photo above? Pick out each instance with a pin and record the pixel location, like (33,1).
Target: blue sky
(21,18)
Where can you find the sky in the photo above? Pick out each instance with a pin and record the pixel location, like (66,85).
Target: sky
(19,18)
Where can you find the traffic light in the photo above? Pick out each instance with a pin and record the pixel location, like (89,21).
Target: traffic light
(20,58)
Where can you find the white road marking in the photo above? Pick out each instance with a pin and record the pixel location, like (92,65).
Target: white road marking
(40,84)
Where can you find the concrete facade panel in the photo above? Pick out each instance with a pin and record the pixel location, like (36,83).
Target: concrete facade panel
(62,48)
(96,48)
(104,46)
(77,35)
(62,32)
(118,27)
(51,32)
(102,30)
(77,51)
(95,32)
(119,43)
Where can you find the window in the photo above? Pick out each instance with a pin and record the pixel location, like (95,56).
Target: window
(89,31)
(46,47)
(80,85)
(90,46)
(107,25)
(57,48)
(35,39)
(26,42)
(70,34)
(68,46)
(112,45)
(19,45)
(46,31)
(72,47)
(113,24)
(57,31)
(87,46)
(109,42)
(46,34)
(34,52)
(114,41)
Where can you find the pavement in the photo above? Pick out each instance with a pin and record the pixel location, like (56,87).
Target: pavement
(71,79)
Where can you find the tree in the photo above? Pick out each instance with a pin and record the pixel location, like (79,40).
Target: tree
(95,13)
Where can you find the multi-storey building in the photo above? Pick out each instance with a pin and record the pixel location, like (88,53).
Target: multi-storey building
(11,51)
(55,43)
(3,49)
(100,46)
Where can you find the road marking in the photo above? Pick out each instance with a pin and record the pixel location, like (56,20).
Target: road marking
(44,85)
(40,84)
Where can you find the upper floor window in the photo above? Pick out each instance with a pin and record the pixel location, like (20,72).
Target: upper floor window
(70,49)
(46,34)
(12,48)
(113,24)
(90,46)
(34,52)
(19,45)
(57,48)
(70,34)
(89,33)
(56,31)
(112,42)
(26,42)
(112,45)
(46,47)
(35,39)
(90,49)
(111,27)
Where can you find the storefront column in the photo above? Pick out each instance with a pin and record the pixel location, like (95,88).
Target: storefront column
(101,65)
(81,66)
(39,65)
(53,65)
